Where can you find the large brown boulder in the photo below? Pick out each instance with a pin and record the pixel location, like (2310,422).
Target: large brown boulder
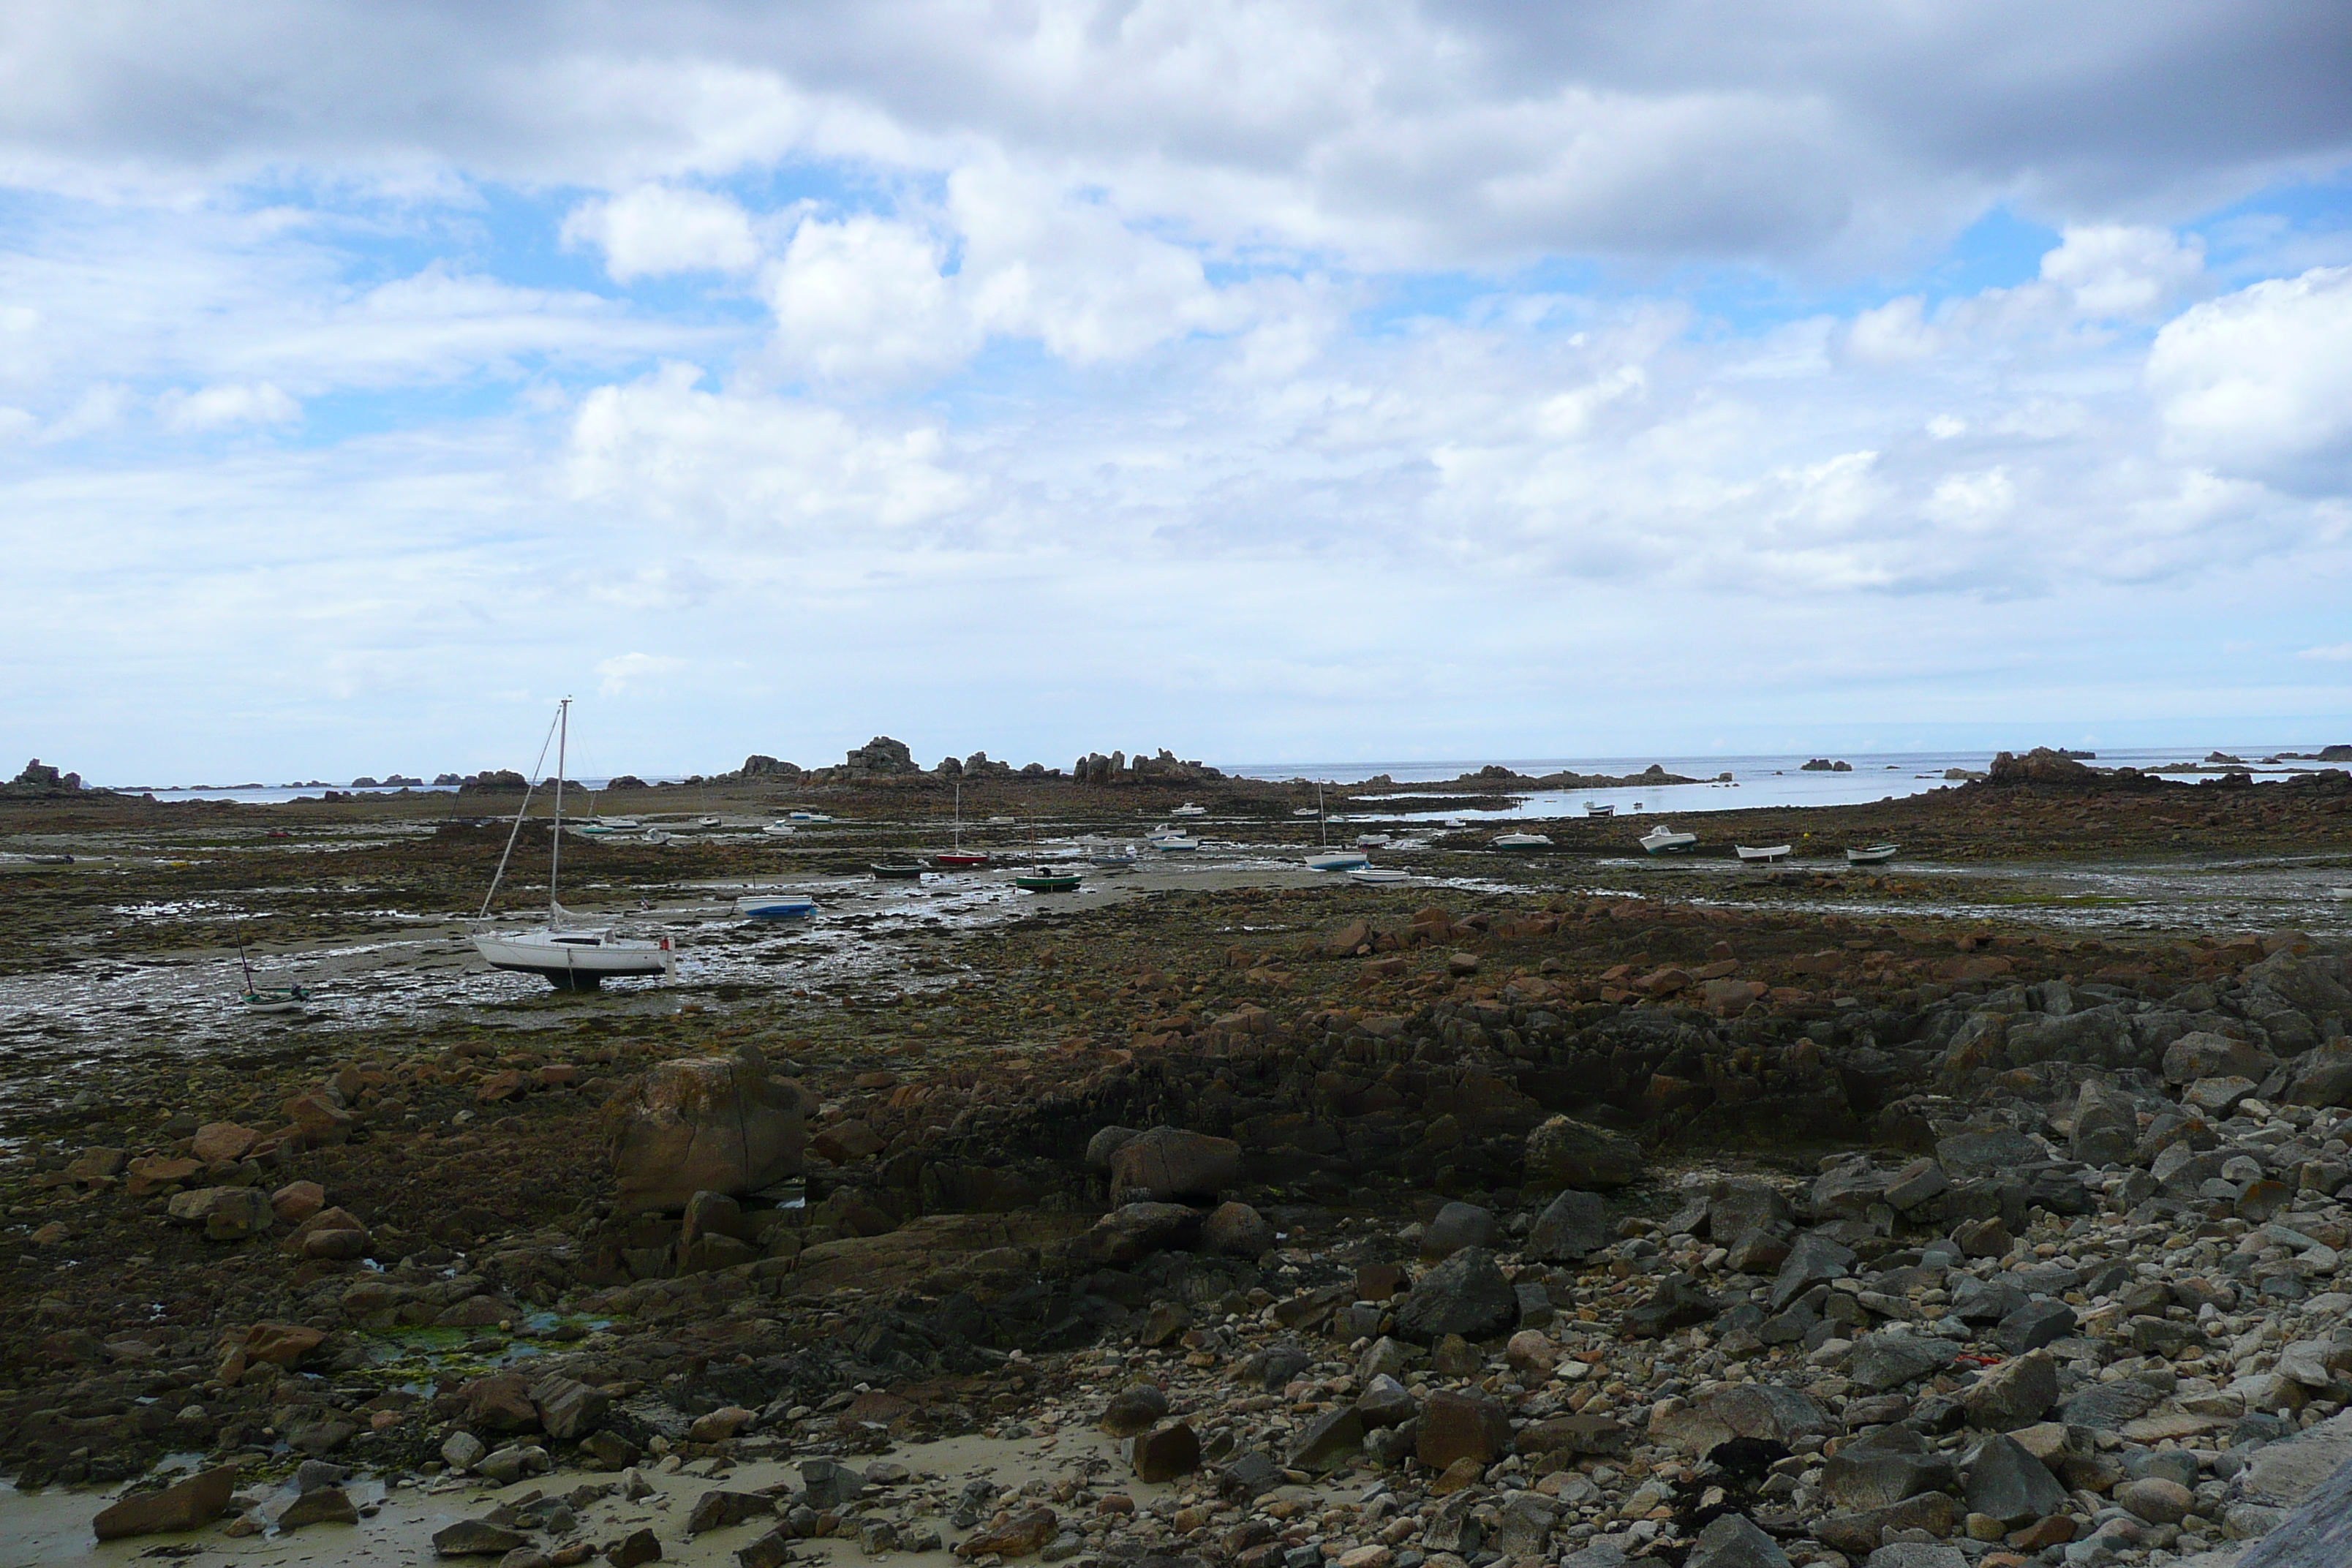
(196,1501)
(703,1124)
(1564,1153)
(1169,1163)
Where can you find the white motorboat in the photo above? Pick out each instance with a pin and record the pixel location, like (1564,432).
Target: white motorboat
(1773,852)
(1189,809)
(1599,808)
(775,906)
(1872,854)
(1306,811)
(1378,875)
(808,816)
(1372,840)
(709,822)
(1173,843)
(1521,841)
(780,830)
(569,960)
(1665,840)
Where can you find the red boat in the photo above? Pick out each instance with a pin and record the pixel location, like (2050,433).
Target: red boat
(959,859)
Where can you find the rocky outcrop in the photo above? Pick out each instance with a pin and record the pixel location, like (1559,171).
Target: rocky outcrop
(710,1124)
(40,781)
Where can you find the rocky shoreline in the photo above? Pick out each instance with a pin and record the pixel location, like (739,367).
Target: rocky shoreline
(1406,1233)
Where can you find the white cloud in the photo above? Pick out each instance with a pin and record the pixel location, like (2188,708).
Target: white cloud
(2111,270)
(2260,382)
(2336,653)
(223,406)
(654,230)
(764,469)
(864,298)
(625,671)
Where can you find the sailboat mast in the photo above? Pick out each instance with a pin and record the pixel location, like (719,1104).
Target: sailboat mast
(959,825)
(1322,837)
(555,847)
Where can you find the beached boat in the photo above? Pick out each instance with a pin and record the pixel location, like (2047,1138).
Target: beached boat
(1665,840)
(897,871)
(1189,809)
(959,859)
(1378,875)
(780,830)
(1338,860)
(1306,811)
(569,960)
(1872,854)
(268,998)
(1597,808)
(1372,840)
(808,816)
(1113,857)
(655,835)
(1173,843)
(1046,879)
(1771,852)
(1521,841)
(775,906)
(709,822)
(50,859)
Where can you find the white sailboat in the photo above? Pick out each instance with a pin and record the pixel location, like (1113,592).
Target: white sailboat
(568,959)
(1327,858)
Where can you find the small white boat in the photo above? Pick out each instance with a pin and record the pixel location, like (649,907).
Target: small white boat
(707,822)
(780,830)
(1596,809)
(1665,840)
(655,835)
(1173,843)
(1000,821)
(1378,875)
(1189,809)
(1872,854)
(1456,822)
(1521,841)
(1372,840)
(1338,860)
(1113,857)
(775,906)
(1303,811)
(1774,852)
(2340,892)
(808,816)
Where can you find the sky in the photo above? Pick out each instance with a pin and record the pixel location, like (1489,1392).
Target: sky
(1345,381)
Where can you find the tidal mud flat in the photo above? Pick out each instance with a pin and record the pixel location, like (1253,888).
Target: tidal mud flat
(1558,1206)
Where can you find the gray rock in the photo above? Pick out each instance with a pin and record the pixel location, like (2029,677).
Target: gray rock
(462,1451)
(1764,1410)
(1564,1153)
(1917,1554)
(1988,1152)
(1525,1528)
(1741,1204)
(1865,1478)
(1458,1226)
(1574,1225)
(1732,1540)
(2283,1474)
(1464,1295)
(2105,1406)
(2010,1485)
(1814,1259)
(1329,1440)
(1885,1361)
(2206,1055)
(2012,1394)
(2317,1534)
(2035,1325)
(1385,1402)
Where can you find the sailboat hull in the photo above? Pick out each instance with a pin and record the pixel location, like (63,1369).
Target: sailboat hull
(574,962)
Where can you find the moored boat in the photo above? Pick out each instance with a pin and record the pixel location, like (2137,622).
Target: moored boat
(569,960)
(780,830)
(1599,808)
(1189,809)
(1173,843)
(1338,860)
(1665,840)
(1046,879)
(958,858)
(775,906)
(1378,875)
(1872,854)
(1521,841)
(1772,852)
(897,871)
